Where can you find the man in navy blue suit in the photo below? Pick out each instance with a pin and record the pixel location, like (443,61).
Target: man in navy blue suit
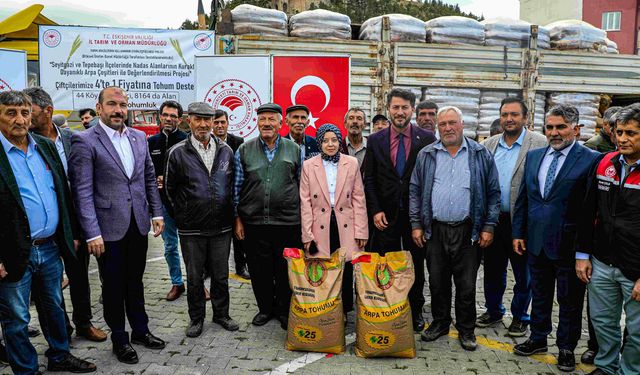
(547,210)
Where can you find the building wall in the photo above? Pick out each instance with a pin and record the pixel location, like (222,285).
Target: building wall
(543,12)
(626,38)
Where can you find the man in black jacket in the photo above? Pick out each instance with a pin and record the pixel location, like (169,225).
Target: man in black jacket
(37,227)
(221,130)
(159,144)
(199,190)
(297,118)
(388,164)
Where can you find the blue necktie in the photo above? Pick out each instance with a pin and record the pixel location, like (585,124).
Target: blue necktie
(551,173)
(401,158)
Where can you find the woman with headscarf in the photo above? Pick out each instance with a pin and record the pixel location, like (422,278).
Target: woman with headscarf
(332,205)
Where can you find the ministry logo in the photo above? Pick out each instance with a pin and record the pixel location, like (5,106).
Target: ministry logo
(239,100)
(51,38)
(202,41)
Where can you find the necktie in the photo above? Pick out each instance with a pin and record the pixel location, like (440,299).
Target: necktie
(551,173)
(401,158)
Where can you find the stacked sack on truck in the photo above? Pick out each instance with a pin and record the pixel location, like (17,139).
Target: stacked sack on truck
(612,47)
(252,20)
(490,109)
(467,100)
(455,30)
(502,31)
(321,24)
(539,112)
(576,34)
(587,105)
(384,325)
(403,28)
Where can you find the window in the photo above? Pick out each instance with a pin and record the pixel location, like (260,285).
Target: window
(611,21)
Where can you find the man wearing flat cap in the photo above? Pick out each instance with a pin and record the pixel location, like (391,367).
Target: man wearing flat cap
(199,189)
(298,119)
(267,211)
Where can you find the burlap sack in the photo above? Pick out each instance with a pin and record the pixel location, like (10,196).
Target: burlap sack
(316,317)
(383,322)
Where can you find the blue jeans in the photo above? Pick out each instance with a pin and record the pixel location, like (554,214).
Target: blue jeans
(496,261)
(609,294)
(43,272)
(171,252)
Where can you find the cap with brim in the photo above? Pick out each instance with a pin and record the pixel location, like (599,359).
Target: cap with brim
(298,107)
(379,117)
(200,109)
(269,107)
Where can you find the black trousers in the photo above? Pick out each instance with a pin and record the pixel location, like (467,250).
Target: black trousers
(264,245)
(212,253)
(451,253)
(347,275)
(398,237)
(548,275)
(122,266)
(239,256)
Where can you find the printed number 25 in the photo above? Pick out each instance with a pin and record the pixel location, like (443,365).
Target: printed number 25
(383,340)
(310,334)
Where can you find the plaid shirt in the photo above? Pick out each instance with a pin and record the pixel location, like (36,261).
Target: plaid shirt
(207,154)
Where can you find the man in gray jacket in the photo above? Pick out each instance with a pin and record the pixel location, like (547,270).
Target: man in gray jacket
(509,150)
(454,202)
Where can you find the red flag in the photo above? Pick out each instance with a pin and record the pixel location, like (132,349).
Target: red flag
(319,82)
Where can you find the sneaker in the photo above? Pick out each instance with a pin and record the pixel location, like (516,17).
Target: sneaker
(71,364)
(530,347)
(468,341)
(433,332)
(194,329)
(566,360)
(486,320)
(518,328)
(227,323)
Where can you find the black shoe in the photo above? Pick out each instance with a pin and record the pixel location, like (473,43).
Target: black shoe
(72,364)
(284,321)
(518,328)
(433,332)
(3,355)
(468,341)
(418,324)
(33,331)
(530,347)
(227,323)
(588,356)
(597,372)
(486,320)
(261,319)
(149,341)
(126,354)
(566,360)
(243,272)
(194,329)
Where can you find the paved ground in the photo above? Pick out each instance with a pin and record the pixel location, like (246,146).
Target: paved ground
(258,350)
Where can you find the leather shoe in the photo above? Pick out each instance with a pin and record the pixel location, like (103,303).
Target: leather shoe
(175,292)
(72,364)
(207,296)
(92,333)
(597,372)
(125,353)
(149,341)
(194,329)
(418,323)
(566,360)
(261,319)
(284,321)
(468,341)
(33,331)
(244,273)
(530,347)
(227,323)
(433,332)
(588,356)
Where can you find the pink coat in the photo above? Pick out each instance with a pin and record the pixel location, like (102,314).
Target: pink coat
(350,205)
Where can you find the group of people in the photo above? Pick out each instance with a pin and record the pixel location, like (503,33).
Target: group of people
(561,214)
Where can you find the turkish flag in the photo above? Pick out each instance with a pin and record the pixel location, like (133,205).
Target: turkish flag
(319,82)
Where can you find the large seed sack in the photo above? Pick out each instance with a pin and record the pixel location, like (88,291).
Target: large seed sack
(320,24)
(454,30)
(576,34)
(316,318)
(252,20)
(404,28)
(383,323)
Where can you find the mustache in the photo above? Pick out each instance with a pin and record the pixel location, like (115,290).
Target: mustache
(117,115)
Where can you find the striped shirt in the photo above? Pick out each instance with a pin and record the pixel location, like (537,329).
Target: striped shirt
(451,197)
(207,154)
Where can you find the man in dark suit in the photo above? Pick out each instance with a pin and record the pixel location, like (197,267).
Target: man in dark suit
(114,209)
(37,227)
(297,118)
(388,164)
(545,218)
(76,268)
(221,130)
(170,115)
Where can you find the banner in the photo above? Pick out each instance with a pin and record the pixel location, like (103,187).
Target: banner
(13,70)
(319,82)
(237,85)
(151,65)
